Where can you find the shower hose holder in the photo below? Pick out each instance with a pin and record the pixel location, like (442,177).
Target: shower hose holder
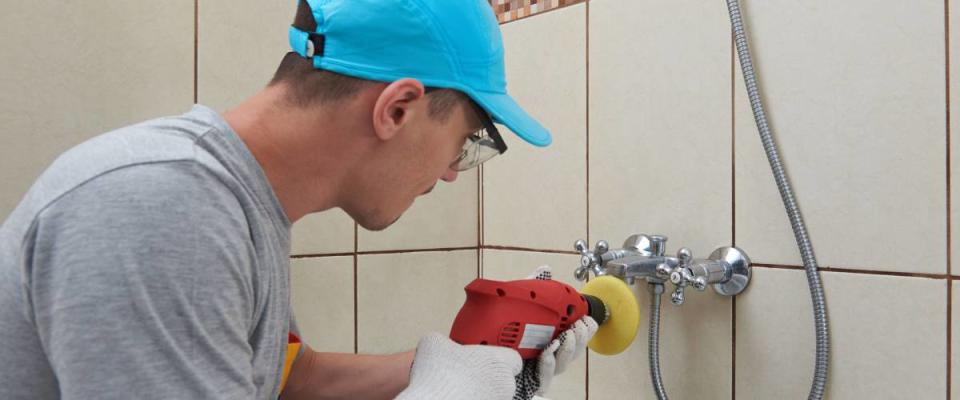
(642,256)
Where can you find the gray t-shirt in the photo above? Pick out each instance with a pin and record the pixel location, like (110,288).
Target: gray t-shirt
(150,262)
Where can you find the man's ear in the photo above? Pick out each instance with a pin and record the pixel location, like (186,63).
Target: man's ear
(394,107)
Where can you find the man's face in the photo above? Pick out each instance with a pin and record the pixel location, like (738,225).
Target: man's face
(414,162)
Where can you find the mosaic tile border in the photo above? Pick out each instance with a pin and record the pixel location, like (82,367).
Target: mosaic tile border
(510,10)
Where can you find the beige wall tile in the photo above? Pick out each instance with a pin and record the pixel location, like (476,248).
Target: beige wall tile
(888,336)
(955,342)
(512,265)
(240,44)
(695,351)
(536,197)
(954,128)
(775,337)
(102,66)
(402,297)
(855,95)
(323,233)
(446,217)
(322,301)
(660,122)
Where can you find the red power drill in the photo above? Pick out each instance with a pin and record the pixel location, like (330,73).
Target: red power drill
(525,315)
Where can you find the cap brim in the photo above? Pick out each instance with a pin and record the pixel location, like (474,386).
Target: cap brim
(506,111)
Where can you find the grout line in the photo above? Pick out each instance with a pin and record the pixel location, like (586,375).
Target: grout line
(479,220)
(482,227)
(196,41)
(586,373)
(885,273)
(857,271)
(356,292)
(586,376)
(733,210)
(483,208)
(733,144)
(587,62)
(513,248)
(533,250)
(321,255)
(356,308)
(543,12)
(948,131)
(733,349)
(946,50)
(439,249)
(424,250)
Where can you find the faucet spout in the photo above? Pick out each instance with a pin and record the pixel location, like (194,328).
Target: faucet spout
(650,268)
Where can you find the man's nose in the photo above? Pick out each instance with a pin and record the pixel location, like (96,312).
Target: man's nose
(450,176)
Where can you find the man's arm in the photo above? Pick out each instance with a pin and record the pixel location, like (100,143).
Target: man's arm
(322,376)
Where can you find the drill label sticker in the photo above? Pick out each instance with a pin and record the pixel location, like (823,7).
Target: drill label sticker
(536,336)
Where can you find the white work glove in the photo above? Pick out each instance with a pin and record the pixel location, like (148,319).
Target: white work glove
(444,369)
(562,351)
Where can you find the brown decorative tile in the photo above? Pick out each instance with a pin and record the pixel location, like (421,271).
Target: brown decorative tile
(509,10)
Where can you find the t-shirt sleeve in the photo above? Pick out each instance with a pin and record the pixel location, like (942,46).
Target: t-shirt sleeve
(140,285)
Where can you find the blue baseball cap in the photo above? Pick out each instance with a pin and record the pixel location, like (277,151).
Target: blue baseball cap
(452,44)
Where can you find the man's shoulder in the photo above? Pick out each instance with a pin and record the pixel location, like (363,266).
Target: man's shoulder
(156,158)
(160,140)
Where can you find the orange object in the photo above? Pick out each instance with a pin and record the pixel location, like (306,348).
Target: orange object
(293,347)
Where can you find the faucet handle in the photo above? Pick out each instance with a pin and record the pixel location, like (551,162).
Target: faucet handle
(589,260)
(664,270)
(581,246)
(581,274)
(682,277)
(685,256)
(601,247)
(699,283)
(677,297)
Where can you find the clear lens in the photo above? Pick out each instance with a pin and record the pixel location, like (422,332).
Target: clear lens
(476,150)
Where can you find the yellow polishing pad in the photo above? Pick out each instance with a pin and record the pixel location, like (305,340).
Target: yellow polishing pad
(618,332)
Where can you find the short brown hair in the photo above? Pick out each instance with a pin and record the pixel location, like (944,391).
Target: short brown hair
(308,86)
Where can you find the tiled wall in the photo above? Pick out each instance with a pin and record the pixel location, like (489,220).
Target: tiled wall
(857,95)
(653,134)
(101,72)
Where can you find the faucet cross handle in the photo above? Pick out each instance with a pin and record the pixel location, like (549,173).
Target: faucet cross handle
(682,278)
(685,256)
(677,297)
(590,260)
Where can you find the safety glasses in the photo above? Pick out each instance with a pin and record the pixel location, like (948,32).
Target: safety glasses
(481,145)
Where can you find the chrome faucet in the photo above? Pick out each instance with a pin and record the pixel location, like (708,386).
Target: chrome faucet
(644,257)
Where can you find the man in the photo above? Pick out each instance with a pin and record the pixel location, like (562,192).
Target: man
(152,261)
